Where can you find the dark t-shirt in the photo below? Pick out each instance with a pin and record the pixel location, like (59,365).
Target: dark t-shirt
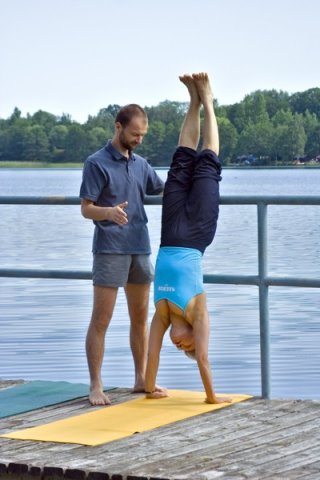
(108,179)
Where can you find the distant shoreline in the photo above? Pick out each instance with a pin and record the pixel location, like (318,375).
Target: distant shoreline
(31,165)
(6,164)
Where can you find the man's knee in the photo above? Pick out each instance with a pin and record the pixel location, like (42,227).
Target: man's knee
(139,312)
(100,319)
(139,324)
(103,305)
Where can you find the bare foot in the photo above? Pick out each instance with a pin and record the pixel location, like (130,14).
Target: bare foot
(202,84)
(98,397)
(159,393)
(217,400)
(188,81)
(139,388)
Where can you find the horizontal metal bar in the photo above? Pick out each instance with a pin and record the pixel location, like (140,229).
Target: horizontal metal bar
(293,282)
(36,273)
(26,200)
(270,199)
(210,279)
(153,200)
(157,200)
(232,279)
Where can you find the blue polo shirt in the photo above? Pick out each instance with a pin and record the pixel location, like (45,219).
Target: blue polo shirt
(108,179)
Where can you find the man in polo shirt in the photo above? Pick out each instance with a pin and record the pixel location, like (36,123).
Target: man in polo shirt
(114,183)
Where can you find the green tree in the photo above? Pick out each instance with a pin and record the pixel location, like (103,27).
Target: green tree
(57,137)
(307,100)
(65,119)
(16,115)
(275,101)
(105,119)
(167,112)
(44,119)
(255,108)
(4,143)
(36,144)
(113,110)
(282,117)
(312,128)
(291,138)
(57,140)
(77,144)
(98,137)
(151,148)
(257,139)
(16,142)
(170,143)
(228,139)
(237,115)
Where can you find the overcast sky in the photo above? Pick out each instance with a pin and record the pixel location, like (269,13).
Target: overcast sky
(77,56)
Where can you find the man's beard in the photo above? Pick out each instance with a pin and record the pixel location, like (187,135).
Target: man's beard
(125,144)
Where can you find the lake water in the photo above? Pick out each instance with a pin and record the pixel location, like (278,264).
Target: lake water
(43,322)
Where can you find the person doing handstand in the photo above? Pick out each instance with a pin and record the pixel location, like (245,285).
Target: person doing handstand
(189,219)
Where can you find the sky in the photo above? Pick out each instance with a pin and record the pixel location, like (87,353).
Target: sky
(78,56)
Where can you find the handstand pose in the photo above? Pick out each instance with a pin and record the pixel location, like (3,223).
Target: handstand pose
(189,220)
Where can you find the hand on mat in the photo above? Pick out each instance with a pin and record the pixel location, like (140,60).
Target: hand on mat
(160,392)
(217,400)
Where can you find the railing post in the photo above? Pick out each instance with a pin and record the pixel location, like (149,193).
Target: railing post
(263,301)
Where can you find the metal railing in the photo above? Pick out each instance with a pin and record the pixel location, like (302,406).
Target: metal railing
(262,280)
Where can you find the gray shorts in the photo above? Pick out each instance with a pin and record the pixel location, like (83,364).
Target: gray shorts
(116,270)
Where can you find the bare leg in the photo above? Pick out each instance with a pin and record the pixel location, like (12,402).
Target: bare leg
(138,303)
(103,305)
(190,130)
(210,127)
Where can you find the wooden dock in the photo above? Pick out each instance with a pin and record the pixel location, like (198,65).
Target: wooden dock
(256,439)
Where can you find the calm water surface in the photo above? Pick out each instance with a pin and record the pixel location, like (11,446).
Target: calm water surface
(43,322)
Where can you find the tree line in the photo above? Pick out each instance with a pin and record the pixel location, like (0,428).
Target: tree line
(271,126)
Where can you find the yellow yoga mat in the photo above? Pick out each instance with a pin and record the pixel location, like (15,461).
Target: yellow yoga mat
(122,420)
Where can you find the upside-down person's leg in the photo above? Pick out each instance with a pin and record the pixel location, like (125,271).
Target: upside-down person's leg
(203,199)
(190,130)
(210,131)
(180,175)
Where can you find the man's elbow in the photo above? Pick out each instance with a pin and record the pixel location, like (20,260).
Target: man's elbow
(84,211)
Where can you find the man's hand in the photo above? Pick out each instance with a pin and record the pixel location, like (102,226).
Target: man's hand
(118,215)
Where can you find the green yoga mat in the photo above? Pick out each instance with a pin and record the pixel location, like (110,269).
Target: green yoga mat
(30,396)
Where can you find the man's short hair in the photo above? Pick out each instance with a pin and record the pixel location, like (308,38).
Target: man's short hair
(126,114)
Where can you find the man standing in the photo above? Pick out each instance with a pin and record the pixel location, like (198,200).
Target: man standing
(112,192)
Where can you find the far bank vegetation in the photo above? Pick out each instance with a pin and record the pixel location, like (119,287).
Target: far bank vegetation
(266,128)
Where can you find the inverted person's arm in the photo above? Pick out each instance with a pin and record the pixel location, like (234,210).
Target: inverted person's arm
(201,337)
(201,331)
(159,326)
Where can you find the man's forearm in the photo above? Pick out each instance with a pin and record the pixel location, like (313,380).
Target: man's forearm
(114,214)
(93,212)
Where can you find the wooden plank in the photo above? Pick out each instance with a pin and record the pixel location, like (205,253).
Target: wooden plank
(252,439)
